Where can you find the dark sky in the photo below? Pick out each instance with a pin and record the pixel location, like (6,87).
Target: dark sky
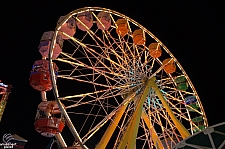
(193,32)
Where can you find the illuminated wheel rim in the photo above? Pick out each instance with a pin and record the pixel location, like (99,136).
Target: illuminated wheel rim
(98,70)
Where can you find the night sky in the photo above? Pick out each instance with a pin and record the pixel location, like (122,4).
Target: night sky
(193,32)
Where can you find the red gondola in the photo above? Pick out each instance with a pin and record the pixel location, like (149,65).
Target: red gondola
(46,123)
(49,127)
(40,75)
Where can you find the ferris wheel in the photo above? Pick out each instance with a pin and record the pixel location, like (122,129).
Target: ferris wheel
(115,84)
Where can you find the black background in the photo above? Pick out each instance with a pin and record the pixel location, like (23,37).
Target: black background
(192,31)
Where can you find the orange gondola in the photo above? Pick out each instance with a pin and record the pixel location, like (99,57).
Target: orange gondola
(122,27)
(139,37)
(155,50)
(170,66)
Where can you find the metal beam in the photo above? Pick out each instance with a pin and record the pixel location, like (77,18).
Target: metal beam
(154,136)
(183,131)
(130,135)
(108,133)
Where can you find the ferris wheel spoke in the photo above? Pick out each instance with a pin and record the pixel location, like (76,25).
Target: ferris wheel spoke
(88,117)
(181,116)
(172,97)
(92,34)
(91,51)
(162,118)
(114,50)
(108,47)
(105,56)
(100,124)
(93,121)
(97,127)
(182,102)
(166,119)
(86,114)
(80,103)
(86,94)
(128,49)
(120,47)
(154,137)
(96,84)
(75,42)
(97,58)
(162,128)
(103,96)
(99,71)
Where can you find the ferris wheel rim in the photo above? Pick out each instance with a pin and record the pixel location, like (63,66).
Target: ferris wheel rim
(119,14)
